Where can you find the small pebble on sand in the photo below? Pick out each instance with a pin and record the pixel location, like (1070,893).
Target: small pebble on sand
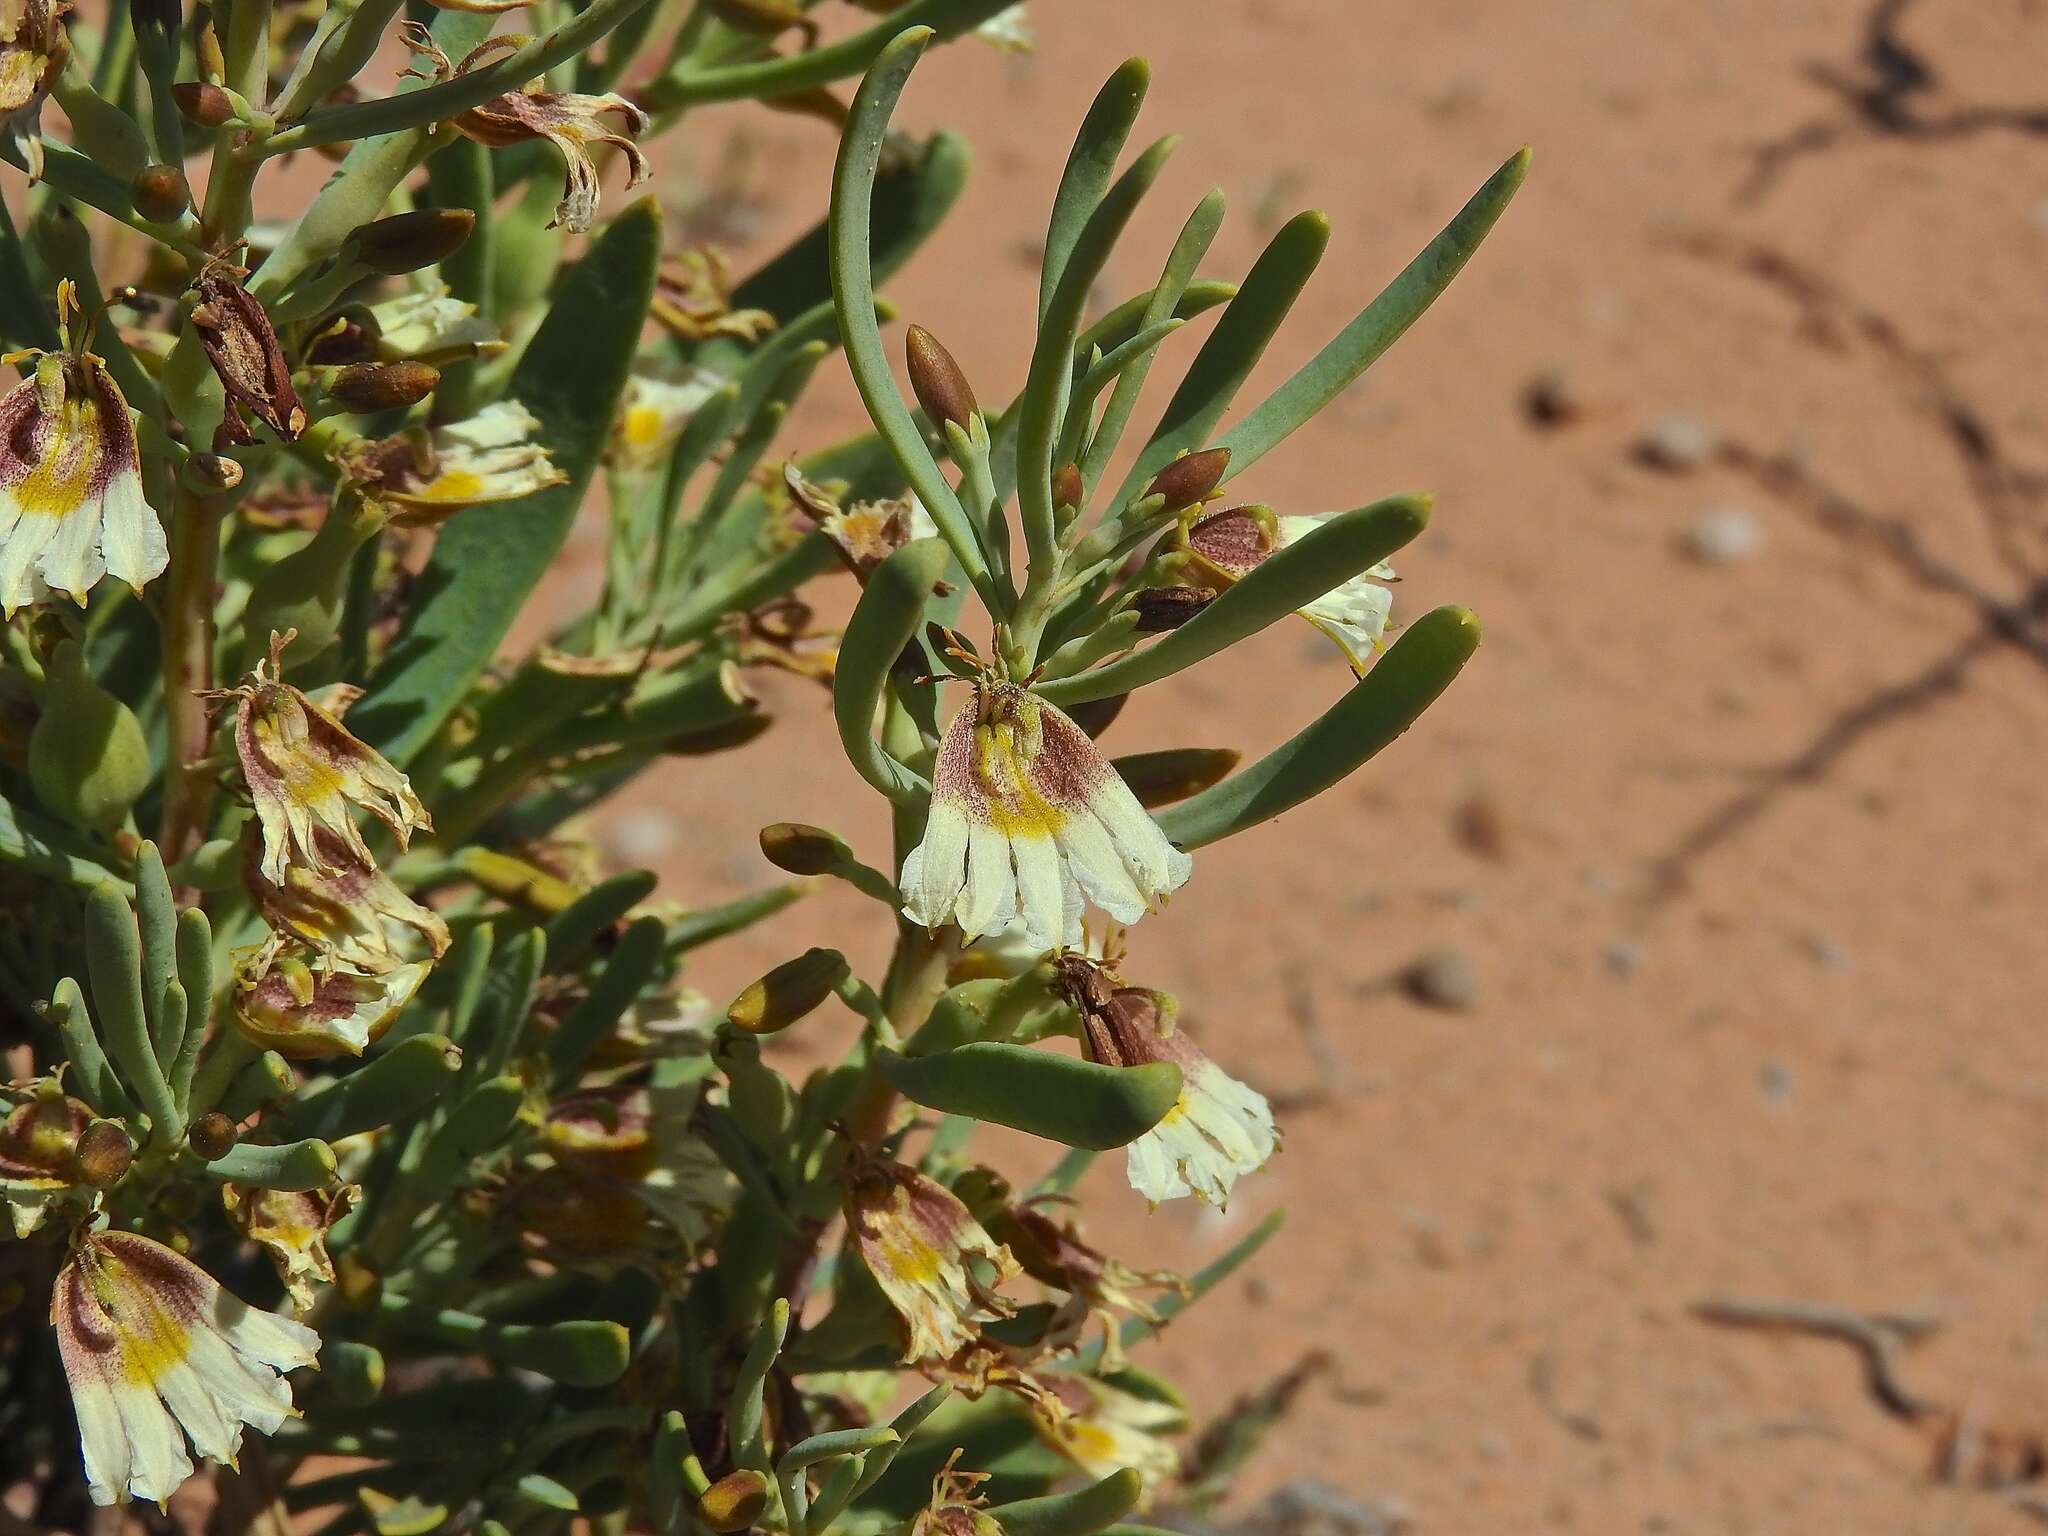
(1724,534)
(1677,443)
(1443,978)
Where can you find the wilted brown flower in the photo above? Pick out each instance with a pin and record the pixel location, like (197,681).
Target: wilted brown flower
(304,771)
(567,120)
(243,349)
(917,1239)
(693,298)
(292,1226)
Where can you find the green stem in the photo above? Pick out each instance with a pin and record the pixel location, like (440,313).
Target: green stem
(188,670)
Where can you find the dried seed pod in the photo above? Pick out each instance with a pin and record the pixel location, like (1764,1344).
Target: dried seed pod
(1067,487)
(801,849)
(734,1502)
(243,348)
(103,1154)
(212,1136)
(1190,477)
(941,388)
(161,193)
(788,992)
(405,242)
(205,104)
(1162,608)
(382,386)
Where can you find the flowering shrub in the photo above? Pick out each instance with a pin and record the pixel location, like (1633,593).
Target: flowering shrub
(353,1104)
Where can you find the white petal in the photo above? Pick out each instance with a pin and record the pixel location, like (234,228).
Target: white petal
(158,1463)
(276,1341)
(1156,867)
(936,868)
(20,551)
(1151,1171)
(990,897)
(1042,883)
(71,561)
(1094,862)
(131,537)
(101,1439)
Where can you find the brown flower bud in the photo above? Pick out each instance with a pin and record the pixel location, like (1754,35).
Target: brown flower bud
(1162,608)
(1190,477)
(103,1154)
(788,992)
(800,849)
(161,193)
(405,242)
(382,386)
(212,1136)
(1067,488)
(941,388)
(734,1502)
(205,104)
(343,341)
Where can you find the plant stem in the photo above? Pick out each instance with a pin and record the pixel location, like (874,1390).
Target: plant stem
(188,669)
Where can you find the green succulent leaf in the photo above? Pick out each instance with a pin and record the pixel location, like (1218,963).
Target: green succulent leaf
(1077,1103)
(1377,327)
(890,612)
(1080,1513)
(1380,706)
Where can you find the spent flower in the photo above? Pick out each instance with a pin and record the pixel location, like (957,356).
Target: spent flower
(920,1243)
(1225,546)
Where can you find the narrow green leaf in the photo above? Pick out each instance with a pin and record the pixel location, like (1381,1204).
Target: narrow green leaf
(1080,1513)
(853,291)
(1342,547)
(489,559)
(701,927)
(1247,324)
(92,1075)
(1042,405)
(1090,163)
(576,927)
(1077,1103)
(584,1353)
(156,919)
(401,1083)
(296,1165)
(114,960)
(835,1442)
(890,612)
(629,967)
(813,67)
(1377,327)
(1380,706)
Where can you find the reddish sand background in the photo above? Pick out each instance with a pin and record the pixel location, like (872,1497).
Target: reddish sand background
(1756,922)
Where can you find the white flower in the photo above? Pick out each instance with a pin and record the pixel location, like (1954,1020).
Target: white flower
(1230,544)
(150,1343)
(919,1242)
(1026,817)
(430,324)
(653,414)
(1218,1130)
(71,506)
(425,476)
(1103,1429)
(1009,30)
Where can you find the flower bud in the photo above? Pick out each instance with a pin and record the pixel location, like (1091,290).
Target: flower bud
(1067,487)
(103,1154)
(1190,477)
(405,242)
(941,388)
(788,992)
(801,849)
(1162,608)
(161,193)
(205,104)
(382,386)
(212,1136)
(734,1502)
(88,757)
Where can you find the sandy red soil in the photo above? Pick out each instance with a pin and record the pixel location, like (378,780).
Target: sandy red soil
(1759,941)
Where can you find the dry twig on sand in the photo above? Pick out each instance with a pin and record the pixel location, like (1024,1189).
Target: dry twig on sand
(1878,1337)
